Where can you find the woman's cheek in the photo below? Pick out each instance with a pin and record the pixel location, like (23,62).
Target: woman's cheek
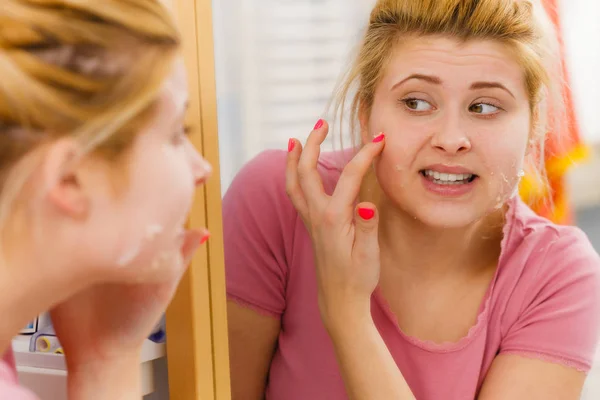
(159,230)
(392,169)
(152,252)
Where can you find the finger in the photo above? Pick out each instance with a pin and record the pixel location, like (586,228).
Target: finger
(308,176)
(292,184)
(366,243)
(348,185)
(191,242)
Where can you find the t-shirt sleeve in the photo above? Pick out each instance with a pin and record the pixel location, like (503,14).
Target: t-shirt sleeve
(9,387)
(12,391)
(258,225)
(560,319)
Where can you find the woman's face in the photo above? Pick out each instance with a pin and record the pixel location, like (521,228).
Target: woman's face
(142,228)
(457,122)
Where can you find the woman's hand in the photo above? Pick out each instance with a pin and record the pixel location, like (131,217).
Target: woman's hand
(347,261)
(344,234)
(102,328)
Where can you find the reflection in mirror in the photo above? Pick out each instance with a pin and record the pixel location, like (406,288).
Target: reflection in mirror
(435,235)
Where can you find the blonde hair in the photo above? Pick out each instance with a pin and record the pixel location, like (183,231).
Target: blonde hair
(522,25)
(90,70)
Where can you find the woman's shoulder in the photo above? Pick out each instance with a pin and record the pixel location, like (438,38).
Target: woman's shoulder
(267,172)
(547,240)
(548,292)
(541,255)
(256,203)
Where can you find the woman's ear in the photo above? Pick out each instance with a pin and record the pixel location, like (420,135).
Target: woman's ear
(61,179)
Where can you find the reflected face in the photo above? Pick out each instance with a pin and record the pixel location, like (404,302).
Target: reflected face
(457,122)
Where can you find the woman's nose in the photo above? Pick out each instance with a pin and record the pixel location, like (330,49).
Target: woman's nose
(451,139)
(201,168)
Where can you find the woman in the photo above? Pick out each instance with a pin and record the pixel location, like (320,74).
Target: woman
(97,176)
(413,270)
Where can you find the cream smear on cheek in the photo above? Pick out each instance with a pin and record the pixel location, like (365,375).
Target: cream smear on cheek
(152,232)
(399,169)
(506,186)
(160,259)
(130,255)
(171,258)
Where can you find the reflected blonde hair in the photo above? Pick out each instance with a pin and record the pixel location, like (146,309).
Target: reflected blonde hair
(522,25)
(90,70)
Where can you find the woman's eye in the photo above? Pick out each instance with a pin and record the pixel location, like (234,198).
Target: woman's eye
(178,137)
(181,134)
(484,109)
(417,105)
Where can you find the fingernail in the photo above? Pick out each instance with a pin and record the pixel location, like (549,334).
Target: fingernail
(318,125)
(366,213)
(291,145)
(379,138)
(204,238)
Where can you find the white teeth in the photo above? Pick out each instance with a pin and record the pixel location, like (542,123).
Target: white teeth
(445,178)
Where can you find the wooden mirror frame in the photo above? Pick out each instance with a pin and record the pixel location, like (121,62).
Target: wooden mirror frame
(197,340)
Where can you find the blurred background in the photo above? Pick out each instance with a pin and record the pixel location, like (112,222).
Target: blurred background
(277,62)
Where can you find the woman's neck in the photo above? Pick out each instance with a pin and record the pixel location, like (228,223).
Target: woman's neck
(421,250)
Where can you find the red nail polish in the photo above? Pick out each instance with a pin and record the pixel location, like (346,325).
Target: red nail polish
(366,213)
(291,145)
(379,138)
(318,125)
(204,238)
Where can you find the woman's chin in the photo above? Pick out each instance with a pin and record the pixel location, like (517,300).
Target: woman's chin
(447,222)
(446,216)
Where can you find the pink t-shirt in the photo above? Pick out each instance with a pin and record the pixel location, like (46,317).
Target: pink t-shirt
(9,385)
(543,302)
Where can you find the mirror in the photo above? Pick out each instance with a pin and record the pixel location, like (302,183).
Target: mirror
(277,63)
